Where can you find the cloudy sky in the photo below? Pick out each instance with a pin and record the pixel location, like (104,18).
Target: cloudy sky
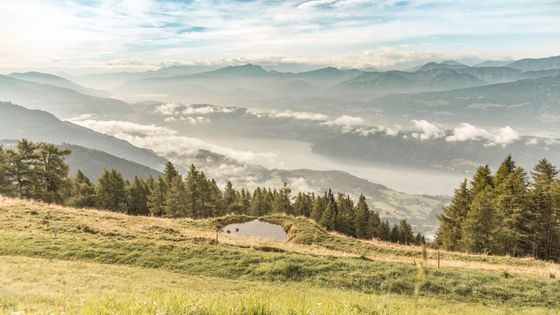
(129,34)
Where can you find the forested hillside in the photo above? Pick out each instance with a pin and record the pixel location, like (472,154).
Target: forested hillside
(505,213)
(38,171)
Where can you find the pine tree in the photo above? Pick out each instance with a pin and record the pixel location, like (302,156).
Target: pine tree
(479,223)
(511,235)
(281,202)
(542,211)
(374,224)
(451,220)
(482,179)
(111,191)
(169,173)
(176,199)
(405,233)
(137,197)
(258,203)
(82,193)
(344,221)
(329,214)
(156,198)
(52,172)
(229,198)
(5,185)
(318,208)
(361,218)
(20,169)
(384,232)
(394,235)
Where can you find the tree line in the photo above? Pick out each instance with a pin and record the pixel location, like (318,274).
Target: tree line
(38,171)
(505,213)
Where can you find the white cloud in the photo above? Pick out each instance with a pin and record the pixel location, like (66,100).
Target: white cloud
(175,109)
(101,33)
(427,130)
(167,142)
(299,184)
(500,136)
(299,115)
(347,121)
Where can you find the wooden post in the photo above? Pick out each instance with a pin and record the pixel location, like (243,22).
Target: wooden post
(438,259)
(217,231)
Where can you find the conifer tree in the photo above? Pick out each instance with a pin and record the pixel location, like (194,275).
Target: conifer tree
(482,179)
(52,172)
(384,232)
(82,192)
(137,197)
(21,169)
(229,198)
(318,208)
(329,214)
(451,219)
(361,218)
(5,185)
(479,223)
(374,224)
(405,233)
(111,191)
(156,198)
(176,199)
(542,211)
(281,201)
(511,234)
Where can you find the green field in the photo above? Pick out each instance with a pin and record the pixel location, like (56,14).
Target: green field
(55,259)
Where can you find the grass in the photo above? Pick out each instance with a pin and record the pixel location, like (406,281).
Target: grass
(331,269)
(31,285)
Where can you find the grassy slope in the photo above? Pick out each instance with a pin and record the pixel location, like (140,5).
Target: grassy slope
(312,261)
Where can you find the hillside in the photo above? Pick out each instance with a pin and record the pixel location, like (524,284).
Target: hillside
(60,99)
(158,258)
(18,122)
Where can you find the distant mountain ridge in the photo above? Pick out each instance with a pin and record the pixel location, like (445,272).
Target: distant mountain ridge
(18,122)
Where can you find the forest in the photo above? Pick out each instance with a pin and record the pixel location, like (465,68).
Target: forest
(506,213)
(38,171)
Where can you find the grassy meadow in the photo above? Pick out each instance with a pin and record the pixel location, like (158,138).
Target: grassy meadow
(64,260)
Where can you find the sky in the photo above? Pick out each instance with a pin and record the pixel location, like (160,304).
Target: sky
(88,35)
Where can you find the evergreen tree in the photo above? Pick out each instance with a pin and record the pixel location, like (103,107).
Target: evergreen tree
(169,173)
(329,214)
(137,197)
(374,224)
(361,218)
(176,199)
(344,221)
(229,198)
(482,179)
(479,223)
(52,172)
(281,201)
(82,193)
(405,233)
(259,205)
(451,220)
(318,208)
(20,169)
(384,233)
(111,191)
(156,198)
(394,235)
(511,203)
(5,185)
(542,211)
